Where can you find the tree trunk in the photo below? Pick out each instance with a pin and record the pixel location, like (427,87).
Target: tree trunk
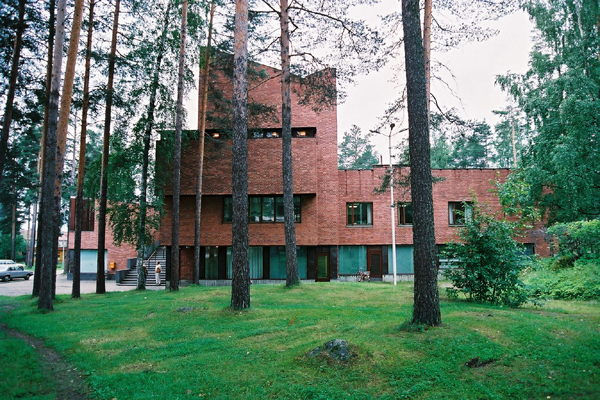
(12,87)
(142,239)
(76,291)
(100,283)
(202,105)
(426,309)
(240,284)
(47,210)
(174,284)
(38,248)
(286,134)
(13,231)
(427,51)
(63,124)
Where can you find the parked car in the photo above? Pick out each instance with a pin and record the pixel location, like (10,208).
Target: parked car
(10,270)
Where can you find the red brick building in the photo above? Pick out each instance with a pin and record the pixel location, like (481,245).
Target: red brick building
(341,224)
(115,257)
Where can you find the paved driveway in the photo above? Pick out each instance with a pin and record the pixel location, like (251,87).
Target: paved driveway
(19,287)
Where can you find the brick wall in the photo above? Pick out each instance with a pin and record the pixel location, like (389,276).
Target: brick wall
(324,190)
(116,254)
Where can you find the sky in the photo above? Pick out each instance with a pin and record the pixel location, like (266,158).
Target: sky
(474,65)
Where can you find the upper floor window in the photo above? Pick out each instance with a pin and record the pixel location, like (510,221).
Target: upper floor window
(459,212)
(405,214)
(265,133)
(262,209)
(359,213)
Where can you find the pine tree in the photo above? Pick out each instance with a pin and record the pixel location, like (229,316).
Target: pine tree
(240,284)
(356,151)
(426,309)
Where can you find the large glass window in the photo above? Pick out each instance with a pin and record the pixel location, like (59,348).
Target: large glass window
(459,212)
(268,209)
(262,209)
(211,262)
(254,209)
(255,262)
(351,259)
(404,260)
(278,262)
(359,213)
(405,214)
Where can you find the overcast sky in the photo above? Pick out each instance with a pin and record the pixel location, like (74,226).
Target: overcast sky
(474,65)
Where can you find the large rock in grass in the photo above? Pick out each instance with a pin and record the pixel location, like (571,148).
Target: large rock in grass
(337,349)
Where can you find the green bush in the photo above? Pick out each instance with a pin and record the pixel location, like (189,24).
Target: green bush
(563,262)
(581,282)
(579,239)
(488,261)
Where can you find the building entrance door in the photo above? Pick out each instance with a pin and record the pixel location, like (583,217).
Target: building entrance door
(322,265)
(374,258)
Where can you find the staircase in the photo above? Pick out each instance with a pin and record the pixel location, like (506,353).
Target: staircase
(130,278)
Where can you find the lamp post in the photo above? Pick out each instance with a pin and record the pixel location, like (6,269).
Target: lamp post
(392,205)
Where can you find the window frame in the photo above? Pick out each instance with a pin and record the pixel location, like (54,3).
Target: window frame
(455,209)
(350,216)
(228,209)
(402,206)
(265,133)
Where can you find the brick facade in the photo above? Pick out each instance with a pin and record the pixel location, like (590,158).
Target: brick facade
(324,192)
(114,254)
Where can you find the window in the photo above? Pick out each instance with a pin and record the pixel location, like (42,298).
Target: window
(459,212)
(405,214)
(359,213)
(262,209)
(264,133)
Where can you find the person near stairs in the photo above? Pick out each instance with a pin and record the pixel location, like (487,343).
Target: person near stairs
(157,272)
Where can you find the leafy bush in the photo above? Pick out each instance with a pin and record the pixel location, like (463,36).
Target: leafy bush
(563,262)
(579,239)
(581,282)
(488,261)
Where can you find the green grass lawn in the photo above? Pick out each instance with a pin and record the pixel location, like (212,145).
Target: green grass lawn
(189,345)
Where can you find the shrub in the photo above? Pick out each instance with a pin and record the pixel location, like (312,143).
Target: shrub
(581,282)
(579,239)
(563,262)
(488,261)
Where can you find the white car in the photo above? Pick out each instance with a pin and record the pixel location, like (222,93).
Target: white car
(10,270)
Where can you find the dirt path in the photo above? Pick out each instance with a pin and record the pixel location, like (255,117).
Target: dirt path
(64,379)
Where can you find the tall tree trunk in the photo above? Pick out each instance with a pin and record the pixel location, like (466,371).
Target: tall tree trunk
(13,231)
(12,87)
(100,283)
(240,283)
(202,105)
(38,248)
(31,230)
(47,209)
(174,284)
(286,134)
(427,50)
(63,124)
(76,290)
(67,255)
(426,309)
(142,239)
